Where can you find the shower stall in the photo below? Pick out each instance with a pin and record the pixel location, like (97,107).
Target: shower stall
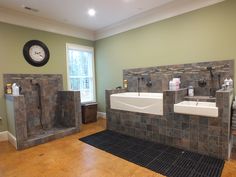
(42,112)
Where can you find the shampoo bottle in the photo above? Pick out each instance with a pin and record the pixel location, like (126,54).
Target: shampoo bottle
(15,90)
(125,83)
(8,89)
(171,85)
(230,83)
(190,91)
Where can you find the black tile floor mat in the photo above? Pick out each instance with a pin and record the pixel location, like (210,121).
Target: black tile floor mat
(163,159)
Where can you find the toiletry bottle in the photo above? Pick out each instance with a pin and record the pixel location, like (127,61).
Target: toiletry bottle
(227,85)
(230,83)
(174,84)
(8,89)
(190,91)
(171,85)
(15,90)
(125,83)
(177,83)
(225,81)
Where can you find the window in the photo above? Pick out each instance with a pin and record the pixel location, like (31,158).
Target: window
(80,70)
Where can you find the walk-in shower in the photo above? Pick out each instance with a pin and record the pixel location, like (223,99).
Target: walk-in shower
(43,111)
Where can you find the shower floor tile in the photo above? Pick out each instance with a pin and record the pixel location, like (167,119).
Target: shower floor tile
(44,136)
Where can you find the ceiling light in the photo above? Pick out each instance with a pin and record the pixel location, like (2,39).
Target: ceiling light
(91,12)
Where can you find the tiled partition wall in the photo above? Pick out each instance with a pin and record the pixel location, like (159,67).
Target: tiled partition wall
(190,74)
(61,110)
(49,84)
(206,135)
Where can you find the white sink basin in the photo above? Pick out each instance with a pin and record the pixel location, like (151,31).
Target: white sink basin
(150,103)
(208,109)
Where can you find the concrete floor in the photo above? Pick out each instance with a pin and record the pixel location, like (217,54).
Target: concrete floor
(69,157)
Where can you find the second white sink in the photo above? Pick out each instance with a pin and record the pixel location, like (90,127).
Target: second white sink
(207,109)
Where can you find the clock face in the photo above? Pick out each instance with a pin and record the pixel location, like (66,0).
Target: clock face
(36,53)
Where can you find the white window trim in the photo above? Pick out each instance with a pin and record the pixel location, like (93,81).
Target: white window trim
(84,48)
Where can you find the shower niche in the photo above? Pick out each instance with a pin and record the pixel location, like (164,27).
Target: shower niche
(42,112)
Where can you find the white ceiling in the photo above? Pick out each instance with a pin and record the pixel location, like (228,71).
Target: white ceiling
(74,12)
(111,14)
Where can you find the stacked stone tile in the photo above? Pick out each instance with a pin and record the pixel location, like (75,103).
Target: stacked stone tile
(205,135)
(61,110)
(234,117)
(190,74)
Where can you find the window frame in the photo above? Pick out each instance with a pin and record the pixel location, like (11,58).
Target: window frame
(81,48)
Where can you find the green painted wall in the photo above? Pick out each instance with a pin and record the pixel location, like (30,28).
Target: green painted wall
(10,116)
(202,35)
(12,40)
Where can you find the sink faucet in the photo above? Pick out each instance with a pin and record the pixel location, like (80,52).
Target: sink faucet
(139,78)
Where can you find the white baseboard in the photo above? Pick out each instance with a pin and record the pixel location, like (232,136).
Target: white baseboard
(7,136)
(101,114)
(3,136)
(12,139)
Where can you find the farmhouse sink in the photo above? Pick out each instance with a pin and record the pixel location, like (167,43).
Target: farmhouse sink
(207,109)
(150,103)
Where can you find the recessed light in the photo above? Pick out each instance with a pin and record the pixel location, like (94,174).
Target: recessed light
(91,12)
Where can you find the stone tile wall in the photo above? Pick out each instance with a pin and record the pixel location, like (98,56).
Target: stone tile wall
(108,105)
(205,135)
(49,84)
(69,109)
(233,154)
(190,74)
(61,110)
(224,101)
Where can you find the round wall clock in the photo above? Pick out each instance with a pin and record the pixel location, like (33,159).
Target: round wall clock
(36,53)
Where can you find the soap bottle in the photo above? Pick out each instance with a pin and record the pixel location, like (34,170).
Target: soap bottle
(8,88)
(125,83)
(226,81)
(15,90)
(190,91)
(171,85)
(230,83)
(176,83)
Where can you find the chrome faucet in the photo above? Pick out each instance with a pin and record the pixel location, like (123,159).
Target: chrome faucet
(197,101)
